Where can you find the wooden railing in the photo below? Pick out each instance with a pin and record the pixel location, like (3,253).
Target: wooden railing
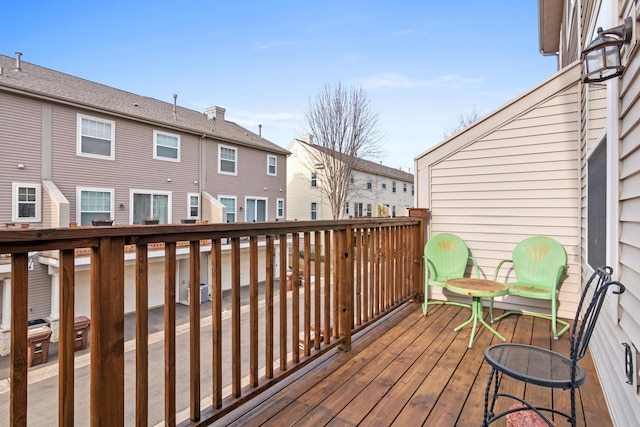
(352,274)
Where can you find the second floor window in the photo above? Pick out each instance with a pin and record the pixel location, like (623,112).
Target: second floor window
(151,205)
(230,204)
(413,189)
(393,186)
(352,177)
(314,210)
(404,187)
(166,146)
(26,202)
(94,204)
(227,160)
(346,208)
(369,182)
(384,184)
(272,163)
(314,179)
(95,137)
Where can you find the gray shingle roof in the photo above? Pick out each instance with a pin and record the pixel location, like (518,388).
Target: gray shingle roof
(368,166)
(55,86)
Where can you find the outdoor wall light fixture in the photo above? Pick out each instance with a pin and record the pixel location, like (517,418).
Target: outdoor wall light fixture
(602,57)
(20,165)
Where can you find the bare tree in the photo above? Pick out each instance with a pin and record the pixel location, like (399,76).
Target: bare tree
(464,120)
(344,130)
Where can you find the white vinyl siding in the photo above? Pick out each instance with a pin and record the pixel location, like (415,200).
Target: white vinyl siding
(511,176)
(166,146)
(27,201)
(94,203)
(96,137)
(227,160)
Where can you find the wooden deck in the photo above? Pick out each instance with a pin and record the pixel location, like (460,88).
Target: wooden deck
(410,370)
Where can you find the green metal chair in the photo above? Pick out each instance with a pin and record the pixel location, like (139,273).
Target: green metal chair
(446,257)
(539,264)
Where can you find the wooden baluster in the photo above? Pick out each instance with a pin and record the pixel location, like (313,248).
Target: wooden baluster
(67,338)
(253,311)
(366,300)
(19,316)
(327,288)
(142,335)
(236,356)
(194,328)
(358,280)
(107,332)
(283,301)
(268,312)
(295,297)
(216,322)
(316,289)
(170,334)
(335,259)
(307,293)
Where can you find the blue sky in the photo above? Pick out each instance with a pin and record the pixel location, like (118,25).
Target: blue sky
(422,63)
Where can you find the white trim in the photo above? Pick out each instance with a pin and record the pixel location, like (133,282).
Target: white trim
(79,151)
(155,146)
(79,191)
(235,149)
(14,201)
(269,157)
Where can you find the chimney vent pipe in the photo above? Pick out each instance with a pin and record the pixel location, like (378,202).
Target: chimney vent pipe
(18,65)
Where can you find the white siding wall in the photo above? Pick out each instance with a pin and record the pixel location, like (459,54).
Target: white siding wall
(514,175)
(606,348)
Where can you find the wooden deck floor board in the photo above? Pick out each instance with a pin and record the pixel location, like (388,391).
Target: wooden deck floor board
(413,370)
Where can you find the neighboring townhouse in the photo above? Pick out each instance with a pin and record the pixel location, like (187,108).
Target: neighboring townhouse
(375,190)
(75,150)
(561,160)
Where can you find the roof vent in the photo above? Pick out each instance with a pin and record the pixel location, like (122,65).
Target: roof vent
(18,65)
(175,105)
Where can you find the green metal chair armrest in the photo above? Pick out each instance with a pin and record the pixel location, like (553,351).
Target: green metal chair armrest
(495,275)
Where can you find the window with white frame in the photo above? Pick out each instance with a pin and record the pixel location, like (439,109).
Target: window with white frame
(194,205)
(413,189)
(229,203)
(369,209)
(314,210)
(256,209)
(280,208)
(150,204)
(314,179)
(597,206)
(166,146)
(383,184)
(404,187)
(369,182)
(346,208)
(26,202)
(352,177)
(272,165)
(393,211)
(358,209)
(393,186)
(227,160)
(94,203)
(95,137)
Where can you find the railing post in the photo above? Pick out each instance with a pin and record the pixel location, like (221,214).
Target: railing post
(420,240)
(345,286)
(107,332)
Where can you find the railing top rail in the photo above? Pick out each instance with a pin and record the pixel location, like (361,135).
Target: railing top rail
(14,240)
